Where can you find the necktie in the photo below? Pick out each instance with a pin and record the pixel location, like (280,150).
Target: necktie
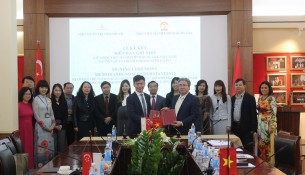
(107,105)
(143,105)
(153,102)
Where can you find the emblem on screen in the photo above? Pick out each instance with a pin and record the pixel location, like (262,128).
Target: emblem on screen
(164,26)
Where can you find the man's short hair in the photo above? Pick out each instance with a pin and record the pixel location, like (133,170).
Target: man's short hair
(185,79)
(28,78)
(152,82)
(105,82)
(138,78)
(240,79)
(65,84)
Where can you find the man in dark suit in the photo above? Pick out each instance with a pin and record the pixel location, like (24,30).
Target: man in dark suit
(157,102)
(138,106)
(105,109)
(68,90)
(244,116)
(186,106)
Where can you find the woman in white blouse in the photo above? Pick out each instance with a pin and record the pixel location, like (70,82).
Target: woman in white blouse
(221,110)
(122,116)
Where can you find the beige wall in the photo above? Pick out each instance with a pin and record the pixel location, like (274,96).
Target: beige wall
(278,40)
(8,67)
(20,43)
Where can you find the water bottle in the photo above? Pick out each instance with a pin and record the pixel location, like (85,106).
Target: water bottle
(107,153)
(211,152)
(107,158)
(190,137)
(109,139)
(215,163)
(92,170)
(205,149)
(194,141)
(193,128)
(113,133)
(198,141)
(102,167)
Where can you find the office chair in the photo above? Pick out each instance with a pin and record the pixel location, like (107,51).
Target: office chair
(9,144)
(7,162)
(15,137)
(289,157)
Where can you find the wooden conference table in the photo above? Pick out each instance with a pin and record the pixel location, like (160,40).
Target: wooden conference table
(72,156)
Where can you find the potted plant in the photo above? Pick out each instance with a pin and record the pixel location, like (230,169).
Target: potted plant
(155,154)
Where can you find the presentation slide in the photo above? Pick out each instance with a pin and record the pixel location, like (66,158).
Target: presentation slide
(114,49)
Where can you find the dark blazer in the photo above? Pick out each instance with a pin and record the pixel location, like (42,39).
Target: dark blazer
(135,112)
(160,103)
(248,118)
(188,112)
(100,113)
(168,99)
(60,113)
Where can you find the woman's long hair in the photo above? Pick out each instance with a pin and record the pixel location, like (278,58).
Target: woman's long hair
(121,93)
(223,91)
(206,87)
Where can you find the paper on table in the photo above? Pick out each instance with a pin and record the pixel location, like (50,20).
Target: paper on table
(218,143)
(244,156)
(250,165)
(239,150)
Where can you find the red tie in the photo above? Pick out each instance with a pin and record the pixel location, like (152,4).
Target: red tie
(153,102)
(107,106)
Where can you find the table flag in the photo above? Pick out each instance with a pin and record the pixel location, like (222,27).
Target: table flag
(227,158)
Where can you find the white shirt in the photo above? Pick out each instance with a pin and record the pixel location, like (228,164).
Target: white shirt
(179,103)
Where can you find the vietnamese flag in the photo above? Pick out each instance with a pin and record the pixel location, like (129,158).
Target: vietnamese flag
(86,162)
(227,161)
(237,70)
(39,69)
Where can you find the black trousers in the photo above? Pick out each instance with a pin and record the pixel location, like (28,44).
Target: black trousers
(245,137)
(70,133)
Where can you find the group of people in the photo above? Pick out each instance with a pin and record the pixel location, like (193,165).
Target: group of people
(63,118)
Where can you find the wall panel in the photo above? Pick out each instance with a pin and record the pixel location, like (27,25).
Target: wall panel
(182,6)
(37,13)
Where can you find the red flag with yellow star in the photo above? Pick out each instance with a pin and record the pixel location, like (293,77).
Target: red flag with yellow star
(227,161)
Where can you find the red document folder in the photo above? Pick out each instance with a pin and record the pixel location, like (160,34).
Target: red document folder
(168,116)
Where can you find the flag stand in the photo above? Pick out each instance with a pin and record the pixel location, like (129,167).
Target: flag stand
(228,151)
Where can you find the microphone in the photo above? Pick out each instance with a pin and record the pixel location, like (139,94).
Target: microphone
(206,129)
(178,132)
(278,151)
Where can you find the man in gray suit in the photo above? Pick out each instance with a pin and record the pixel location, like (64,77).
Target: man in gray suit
(157,102)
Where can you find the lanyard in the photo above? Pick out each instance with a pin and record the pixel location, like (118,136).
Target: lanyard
(46,103)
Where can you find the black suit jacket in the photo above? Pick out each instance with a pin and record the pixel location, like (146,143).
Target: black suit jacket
(188,112)
(160,103)
(100,112)
(248,118)
(135,112)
